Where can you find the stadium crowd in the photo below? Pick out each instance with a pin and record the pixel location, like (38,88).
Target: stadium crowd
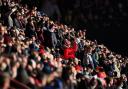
(37,53)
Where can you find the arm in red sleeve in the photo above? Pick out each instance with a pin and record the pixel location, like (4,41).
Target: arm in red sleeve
(69,53)
(75,46)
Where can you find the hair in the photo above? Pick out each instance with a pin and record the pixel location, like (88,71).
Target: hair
(88,48)
(93,82)
(108,79)
(66,73)
(119,81)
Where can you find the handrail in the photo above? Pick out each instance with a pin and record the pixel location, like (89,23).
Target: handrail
(15,84)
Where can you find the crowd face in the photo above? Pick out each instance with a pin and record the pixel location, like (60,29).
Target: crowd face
(2,30)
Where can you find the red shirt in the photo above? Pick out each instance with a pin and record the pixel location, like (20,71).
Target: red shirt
(70,52)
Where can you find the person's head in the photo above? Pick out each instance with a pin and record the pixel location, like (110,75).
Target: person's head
(89,68)
(18,15)
(3,66)
(30,21)
(123,76)
(109,81)
(93,83)
(33,38)
(67,43)
(39,66)
(119,82)
(34,12)
(66,73)
(88,49)
(2,30)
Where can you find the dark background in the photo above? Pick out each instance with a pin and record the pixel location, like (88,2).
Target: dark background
(105,20)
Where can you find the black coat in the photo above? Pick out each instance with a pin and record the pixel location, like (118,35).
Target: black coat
(30,31)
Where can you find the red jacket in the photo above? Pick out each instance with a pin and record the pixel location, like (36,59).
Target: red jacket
(70,52)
